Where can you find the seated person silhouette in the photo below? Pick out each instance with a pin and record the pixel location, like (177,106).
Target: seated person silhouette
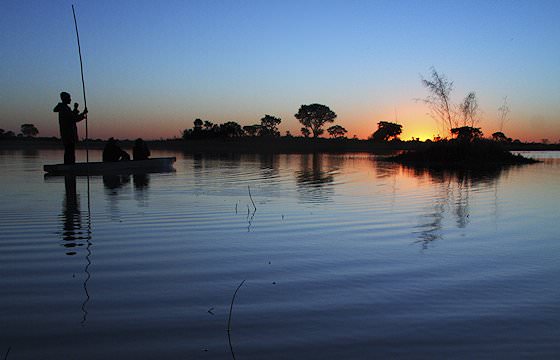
(140,150)
(112,152)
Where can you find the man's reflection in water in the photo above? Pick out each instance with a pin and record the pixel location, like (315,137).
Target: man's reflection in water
(71,216)
(74,234)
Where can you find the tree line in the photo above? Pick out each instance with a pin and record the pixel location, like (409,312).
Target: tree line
(312,117)
(27,130)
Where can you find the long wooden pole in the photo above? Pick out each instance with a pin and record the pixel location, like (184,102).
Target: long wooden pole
(83,82)
(85,107)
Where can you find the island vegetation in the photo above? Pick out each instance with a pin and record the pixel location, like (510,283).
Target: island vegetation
(466,146)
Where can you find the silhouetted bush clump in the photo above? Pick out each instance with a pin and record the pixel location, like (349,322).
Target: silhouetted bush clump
(453,153)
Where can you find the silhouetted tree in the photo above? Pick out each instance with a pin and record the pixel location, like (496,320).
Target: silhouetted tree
(269,126)
(305,132)
(313,117)
(208,125)
(208,130)
(251,130)
(2,132)
(29,130)
(466,133)
(187,133)
(10,134)
(337,131)
(500,136)
(386,131)
(231,129)
(197,125)
(469,110)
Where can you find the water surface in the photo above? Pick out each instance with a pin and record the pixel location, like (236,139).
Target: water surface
(343,257)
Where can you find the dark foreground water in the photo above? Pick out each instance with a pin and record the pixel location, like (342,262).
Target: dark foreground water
(345,257)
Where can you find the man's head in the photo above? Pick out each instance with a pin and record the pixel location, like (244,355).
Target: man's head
(65,97)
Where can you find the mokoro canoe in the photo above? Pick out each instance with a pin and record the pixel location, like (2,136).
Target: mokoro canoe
(164,164)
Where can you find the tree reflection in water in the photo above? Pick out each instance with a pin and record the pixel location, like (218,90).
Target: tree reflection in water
(315,179)
(454,190)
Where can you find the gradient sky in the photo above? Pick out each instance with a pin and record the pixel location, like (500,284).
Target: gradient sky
(152,67)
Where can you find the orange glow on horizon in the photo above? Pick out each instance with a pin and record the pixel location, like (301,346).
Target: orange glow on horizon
(358,122)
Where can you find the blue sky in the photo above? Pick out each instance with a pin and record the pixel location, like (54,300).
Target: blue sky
(151,67)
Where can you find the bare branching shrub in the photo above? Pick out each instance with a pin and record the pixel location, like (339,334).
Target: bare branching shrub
(469,110)
(503,114)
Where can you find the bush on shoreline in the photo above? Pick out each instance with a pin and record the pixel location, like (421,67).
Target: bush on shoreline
(285,144)
(457,153)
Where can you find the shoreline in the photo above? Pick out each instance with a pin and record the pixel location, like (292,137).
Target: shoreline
(256,145)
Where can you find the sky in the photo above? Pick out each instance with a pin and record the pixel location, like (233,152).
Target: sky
(152,67)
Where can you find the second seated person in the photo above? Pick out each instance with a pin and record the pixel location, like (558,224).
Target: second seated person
(112,152)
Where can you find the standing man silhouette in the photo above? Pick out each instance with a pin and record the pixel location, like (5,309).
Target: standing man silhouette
(67,119)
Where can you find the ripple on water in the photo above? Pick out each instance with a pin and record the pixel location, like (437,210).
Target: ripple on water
(344,257)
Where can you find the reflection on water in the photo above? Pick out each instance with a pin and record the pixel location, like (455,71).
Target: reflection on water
(76,233)
(114,182)
(315,179)
(87,296)
(76,227)
(118,185)
(318,276)
(71,216)
(141,181)
(452,196)
(114,185)
(30,153)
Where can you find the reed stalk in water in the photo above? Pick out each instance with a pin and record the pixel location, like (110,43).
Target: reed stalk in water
(250,197)
(229,318)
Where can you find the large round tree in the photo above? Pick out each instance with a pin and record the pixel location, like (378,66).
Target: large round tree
(386,131)
(29,130)
(314,116)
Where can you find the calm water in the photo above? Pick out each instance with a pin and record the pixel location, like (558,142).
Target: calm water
(345,257)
